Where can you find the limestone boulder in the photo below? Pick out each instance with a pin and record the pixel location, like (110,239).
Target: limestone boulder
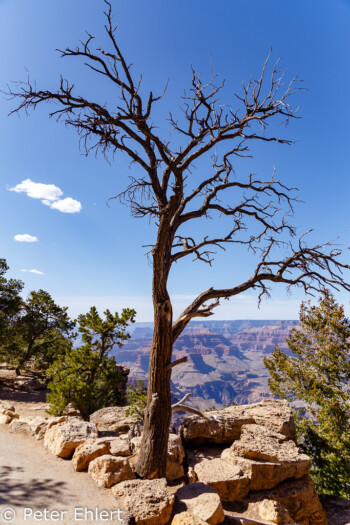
(108,470)
(135,446)
(191,475)
(275,414)
(224,426)
(229,481)
(148,501)
(119,447)
(218,427)
(22,426)
(4,405)
(71,410)
(258,442)
(185,518)
(56,420)
(201,502)
(270,511)
(7,413)
(176,454)
(198,454)
(88,451)
(298,497)
(40,424)
(135,430)
(267,457)
(63,438)
(112,418)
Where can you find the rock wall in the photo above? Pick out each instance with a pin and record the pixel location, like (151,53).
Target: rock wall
(237,465)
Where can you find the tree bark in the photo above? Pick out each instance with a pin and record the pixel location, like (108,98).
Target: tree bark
(153,455)
(24,359)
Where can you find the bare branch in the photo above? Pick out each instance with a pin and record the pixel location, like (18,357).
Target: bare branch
(190,410)
(312,269)
(186,396)
(178,362)
(180,407)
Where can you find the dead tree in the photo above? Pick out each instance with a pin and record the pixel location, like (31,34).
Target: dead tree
(174,197)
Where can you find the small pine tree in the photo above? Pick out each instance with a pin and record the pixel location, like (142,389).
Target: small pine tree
(38,332)
(88,376)
(10,304)
(317,371)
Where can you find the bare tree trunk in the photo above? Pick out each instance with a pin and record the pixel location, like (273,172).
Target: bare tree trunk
(153,455)
(152,459)
(24,359)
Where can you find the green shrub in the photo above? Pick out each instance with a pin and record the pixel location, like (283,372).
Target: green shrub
(317,371)
(87,375)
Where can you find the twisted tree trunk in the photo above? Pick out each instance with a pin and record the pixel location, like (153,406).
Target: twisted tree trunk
(153,455)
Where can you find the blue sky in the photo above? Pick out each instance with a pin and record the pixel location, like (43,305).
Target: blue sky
(95,255)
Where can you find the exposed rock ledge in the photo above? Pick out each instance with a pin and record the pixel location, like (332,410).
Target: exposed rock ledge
(224,426)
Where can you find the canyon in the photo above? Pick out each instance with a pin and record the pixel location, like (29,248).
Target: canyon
(224,359)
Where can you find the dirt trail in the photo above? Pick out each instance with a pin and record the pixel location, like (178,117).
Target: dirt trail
(32,478)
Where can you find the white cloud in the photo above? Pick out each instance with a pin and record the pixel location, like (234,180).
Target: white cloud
(25,237)
(49,194)
(67,205)
(37,272)
(37,190)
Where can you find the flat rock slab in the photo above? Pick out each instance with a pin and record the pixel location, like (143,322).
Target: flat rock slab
(63,438)
(224,426)
(112,418)
(257,442)
(108,470)
(200,501)
(228,480)
(147,500)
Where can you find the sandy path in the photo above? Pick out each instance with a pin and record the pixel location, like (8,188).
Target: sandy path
(32,478)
